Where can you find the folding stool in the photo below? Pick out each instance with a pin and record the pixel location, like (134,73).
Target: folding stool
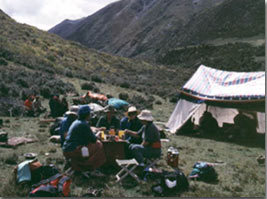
(127,168)
(151,162)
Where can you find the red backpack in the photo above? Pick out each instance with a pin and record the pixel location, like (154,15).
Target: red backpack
(55,186)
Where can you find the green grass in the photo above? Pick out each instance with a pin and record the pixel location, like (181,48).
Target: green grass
(242,176)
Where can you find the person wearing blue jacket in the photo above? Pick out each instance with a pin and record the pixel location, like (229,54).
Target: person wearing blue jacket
(79,138)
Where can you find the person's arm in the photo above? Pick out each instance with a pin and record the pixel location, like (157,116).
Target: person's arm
(91,135)
(100,123)
(134,133)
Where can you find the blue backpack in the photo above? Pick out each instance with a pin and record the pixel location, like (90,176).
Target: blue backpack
(117,103)
(204,172)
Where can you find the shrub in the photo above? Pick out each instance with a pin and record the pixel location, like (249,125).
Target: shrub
(68,73)
(96,78)
(158,102)
(23,83)
(45,92)
(88,86)
(4,89)
(125,85)
(123,96)
(3,62)
(173,99)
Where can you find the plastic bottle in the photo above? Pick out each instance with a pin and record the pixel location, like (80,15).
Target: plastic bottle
(85,152)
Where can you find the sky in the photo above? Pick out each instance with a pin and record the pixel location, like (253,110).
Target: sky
(45,14)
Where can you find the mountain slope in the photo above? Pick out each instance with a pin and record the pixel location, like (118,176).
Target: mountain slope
(33,61)
(148,28)
(132,27)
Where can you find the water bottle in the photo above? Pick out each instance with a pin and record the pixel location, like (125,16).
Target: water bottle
(85,152)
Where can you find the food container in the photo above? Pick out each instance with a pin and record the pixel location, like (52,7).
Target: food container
(121,134)
(112,132)
(173,157)
(102,135)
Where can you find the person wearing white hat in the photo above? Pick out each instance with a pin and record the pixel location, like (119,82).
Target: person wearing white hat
(150,146)
(132,123)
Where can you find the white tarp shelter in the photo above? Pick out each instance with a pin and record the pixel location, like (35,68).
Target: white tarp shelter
(222,93)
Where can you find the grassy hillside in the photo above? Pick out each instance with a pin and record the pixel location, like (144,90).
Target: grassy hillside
(28,50)
(231,57)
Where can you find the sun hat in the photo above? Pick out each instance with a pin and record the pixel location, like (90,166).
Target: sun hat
(73,110)
(84,110)
(132,109)
(145,115)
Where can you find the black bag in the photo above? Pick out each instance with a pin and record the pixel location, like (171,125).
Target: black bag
(43,172)
(171,182)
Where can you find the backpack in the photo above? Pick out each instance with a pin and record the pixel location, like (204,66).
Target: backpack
(171,182)
(55,186)
(43,172)
(204,172)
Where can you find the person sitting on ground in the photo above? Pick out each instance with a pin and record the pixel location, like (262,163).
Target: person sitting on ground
(64,106)
(151,145)
(54,104)
(109,121)
(69,117)
(80,135)
(28,104)
(208,124)
(244,124)
(131,122)
(37,106)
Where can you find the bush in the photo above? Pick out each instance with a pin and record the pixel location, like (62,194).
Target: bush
(4,89)
(125,85)
(45,92)
(88,86)
(140,102)
(158,102)
(23,83)
(68,73)
(124,96)
(3,62)
(173,99)
(96,78)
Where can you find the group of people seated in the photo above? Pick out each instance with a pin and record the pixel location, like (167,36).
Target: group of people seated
(141,135)
(33,106)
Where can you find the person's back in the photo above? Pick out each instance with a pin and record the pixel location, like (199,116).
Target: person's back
(64,106)
(79,134)
(245,124)
(208,124)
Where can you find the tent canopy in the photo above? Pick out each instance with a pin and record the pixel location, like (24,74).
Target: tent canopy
(224,92)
